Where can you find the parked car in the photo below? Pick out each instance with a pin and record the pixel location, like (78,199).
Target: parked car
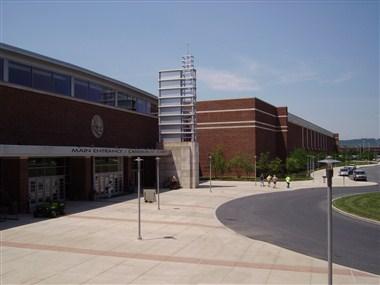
(351,169)
(344,171)
(359,174)
(49,209)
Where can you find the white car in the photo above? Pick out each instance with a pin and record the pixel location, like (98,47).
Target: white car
(344,171)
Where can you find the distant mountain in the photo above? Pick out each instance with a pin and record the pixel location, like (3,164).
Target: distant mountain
(360,143)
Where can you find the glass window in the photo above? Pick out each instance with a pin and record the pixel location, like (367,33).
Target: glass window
(108,98)
(133,103)
(148,107)
(126,102)
(61,84)
(20,74)
(154,109)
(141,106)
(1,69)
(122,100)
(95,92)
(42,79)
(81,89)
(46,166)
(107,164)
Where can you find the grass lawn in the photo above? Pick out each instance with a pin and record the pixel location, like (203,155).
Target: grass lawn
(364,205)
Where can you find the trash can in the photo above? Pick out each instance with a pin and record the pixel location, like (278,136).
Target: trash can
(324,178)
(149,195)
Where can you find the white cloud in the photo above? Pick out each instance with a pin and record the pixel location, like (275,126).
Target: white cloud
(255,75)
(343,77)
(267,74)
(294,76)
(222,80)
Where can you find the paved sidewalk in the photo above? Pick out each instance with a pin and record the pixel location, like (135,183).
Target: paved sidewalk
(183,243)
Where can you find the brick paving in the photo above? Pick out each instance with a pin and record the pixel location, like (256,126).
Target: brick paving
(183,243)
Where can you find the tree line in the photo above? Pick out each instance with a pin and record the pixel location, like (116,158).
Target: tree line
(244,164)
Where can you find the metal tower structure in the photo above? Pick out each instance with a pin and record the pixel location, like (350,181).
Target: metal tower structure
(177,103)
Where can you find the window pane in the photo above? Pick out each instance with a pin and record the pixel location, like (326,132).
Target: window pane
(95,92)
(42,80)
(133,103)
(108,98)
(148,108)
(141,106)
(62,84)
(154,109)
(20,74)
(81,89)
(122,100)
(1,69)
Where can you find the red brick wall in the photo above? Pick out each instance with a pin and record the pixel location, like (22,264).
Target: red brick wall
(235,138)
(81,183)
(225,104)
(33,118)
(294,137)
(313,141)
(14,173)
(249,140)
(232,141)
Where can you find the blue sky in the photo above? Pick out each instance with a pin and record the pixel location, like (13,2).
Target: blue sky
(319,58)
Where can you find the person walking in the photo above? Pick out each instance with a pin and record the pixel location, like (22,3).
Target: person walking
(269,180)
(287,179)
(262,180)
(274,179)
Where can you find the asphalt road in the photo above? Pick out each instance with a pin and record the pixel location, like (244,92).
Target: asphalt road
(297,220)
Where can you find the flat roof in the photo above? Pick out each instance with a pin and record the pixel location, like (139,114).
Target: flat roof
(304,123)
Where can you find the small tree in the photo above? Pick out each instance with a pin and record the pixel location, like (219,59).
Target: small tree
(248,166)
(237,164)
(263,162)
(292,165)
(297,161)
(219,163)
(275,166)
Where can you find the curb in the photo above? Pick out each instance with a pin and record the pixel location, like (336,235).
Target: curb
(352,215)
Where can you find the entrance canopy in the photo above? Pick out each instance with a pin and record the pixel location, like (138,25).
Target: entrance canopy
(69,151)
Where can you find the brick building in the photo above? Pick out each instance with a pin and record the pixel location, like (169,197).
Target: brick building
(252,126)
(69,133)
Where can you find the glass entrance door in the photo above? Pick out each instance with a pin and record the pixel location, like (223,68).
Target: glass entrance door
(108,177)
(46,188)
(46,180)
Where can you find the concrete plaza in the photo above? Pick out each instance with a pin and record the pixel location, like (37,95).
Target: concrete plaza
(183,243)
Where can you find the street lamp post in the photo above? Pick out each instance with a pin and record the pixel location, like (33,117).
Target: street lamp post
(158,181)
(368,153)
(255,157)
(138,160)
(329,174)
(312,167)
(210,159)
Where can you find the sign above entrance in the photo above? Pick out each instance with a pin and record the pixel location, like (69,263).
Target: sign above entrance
(51,151)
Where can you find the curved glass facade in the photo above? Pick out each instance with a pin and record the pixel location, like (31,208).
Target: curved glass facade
(64,84)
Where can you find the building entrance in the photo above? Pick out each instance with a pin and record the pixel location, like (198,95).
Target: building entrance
(108,177)
(45,189)
(46,180)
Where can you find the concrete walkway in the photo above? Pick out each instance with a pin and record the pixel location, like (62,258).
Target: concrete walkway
(183,243)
